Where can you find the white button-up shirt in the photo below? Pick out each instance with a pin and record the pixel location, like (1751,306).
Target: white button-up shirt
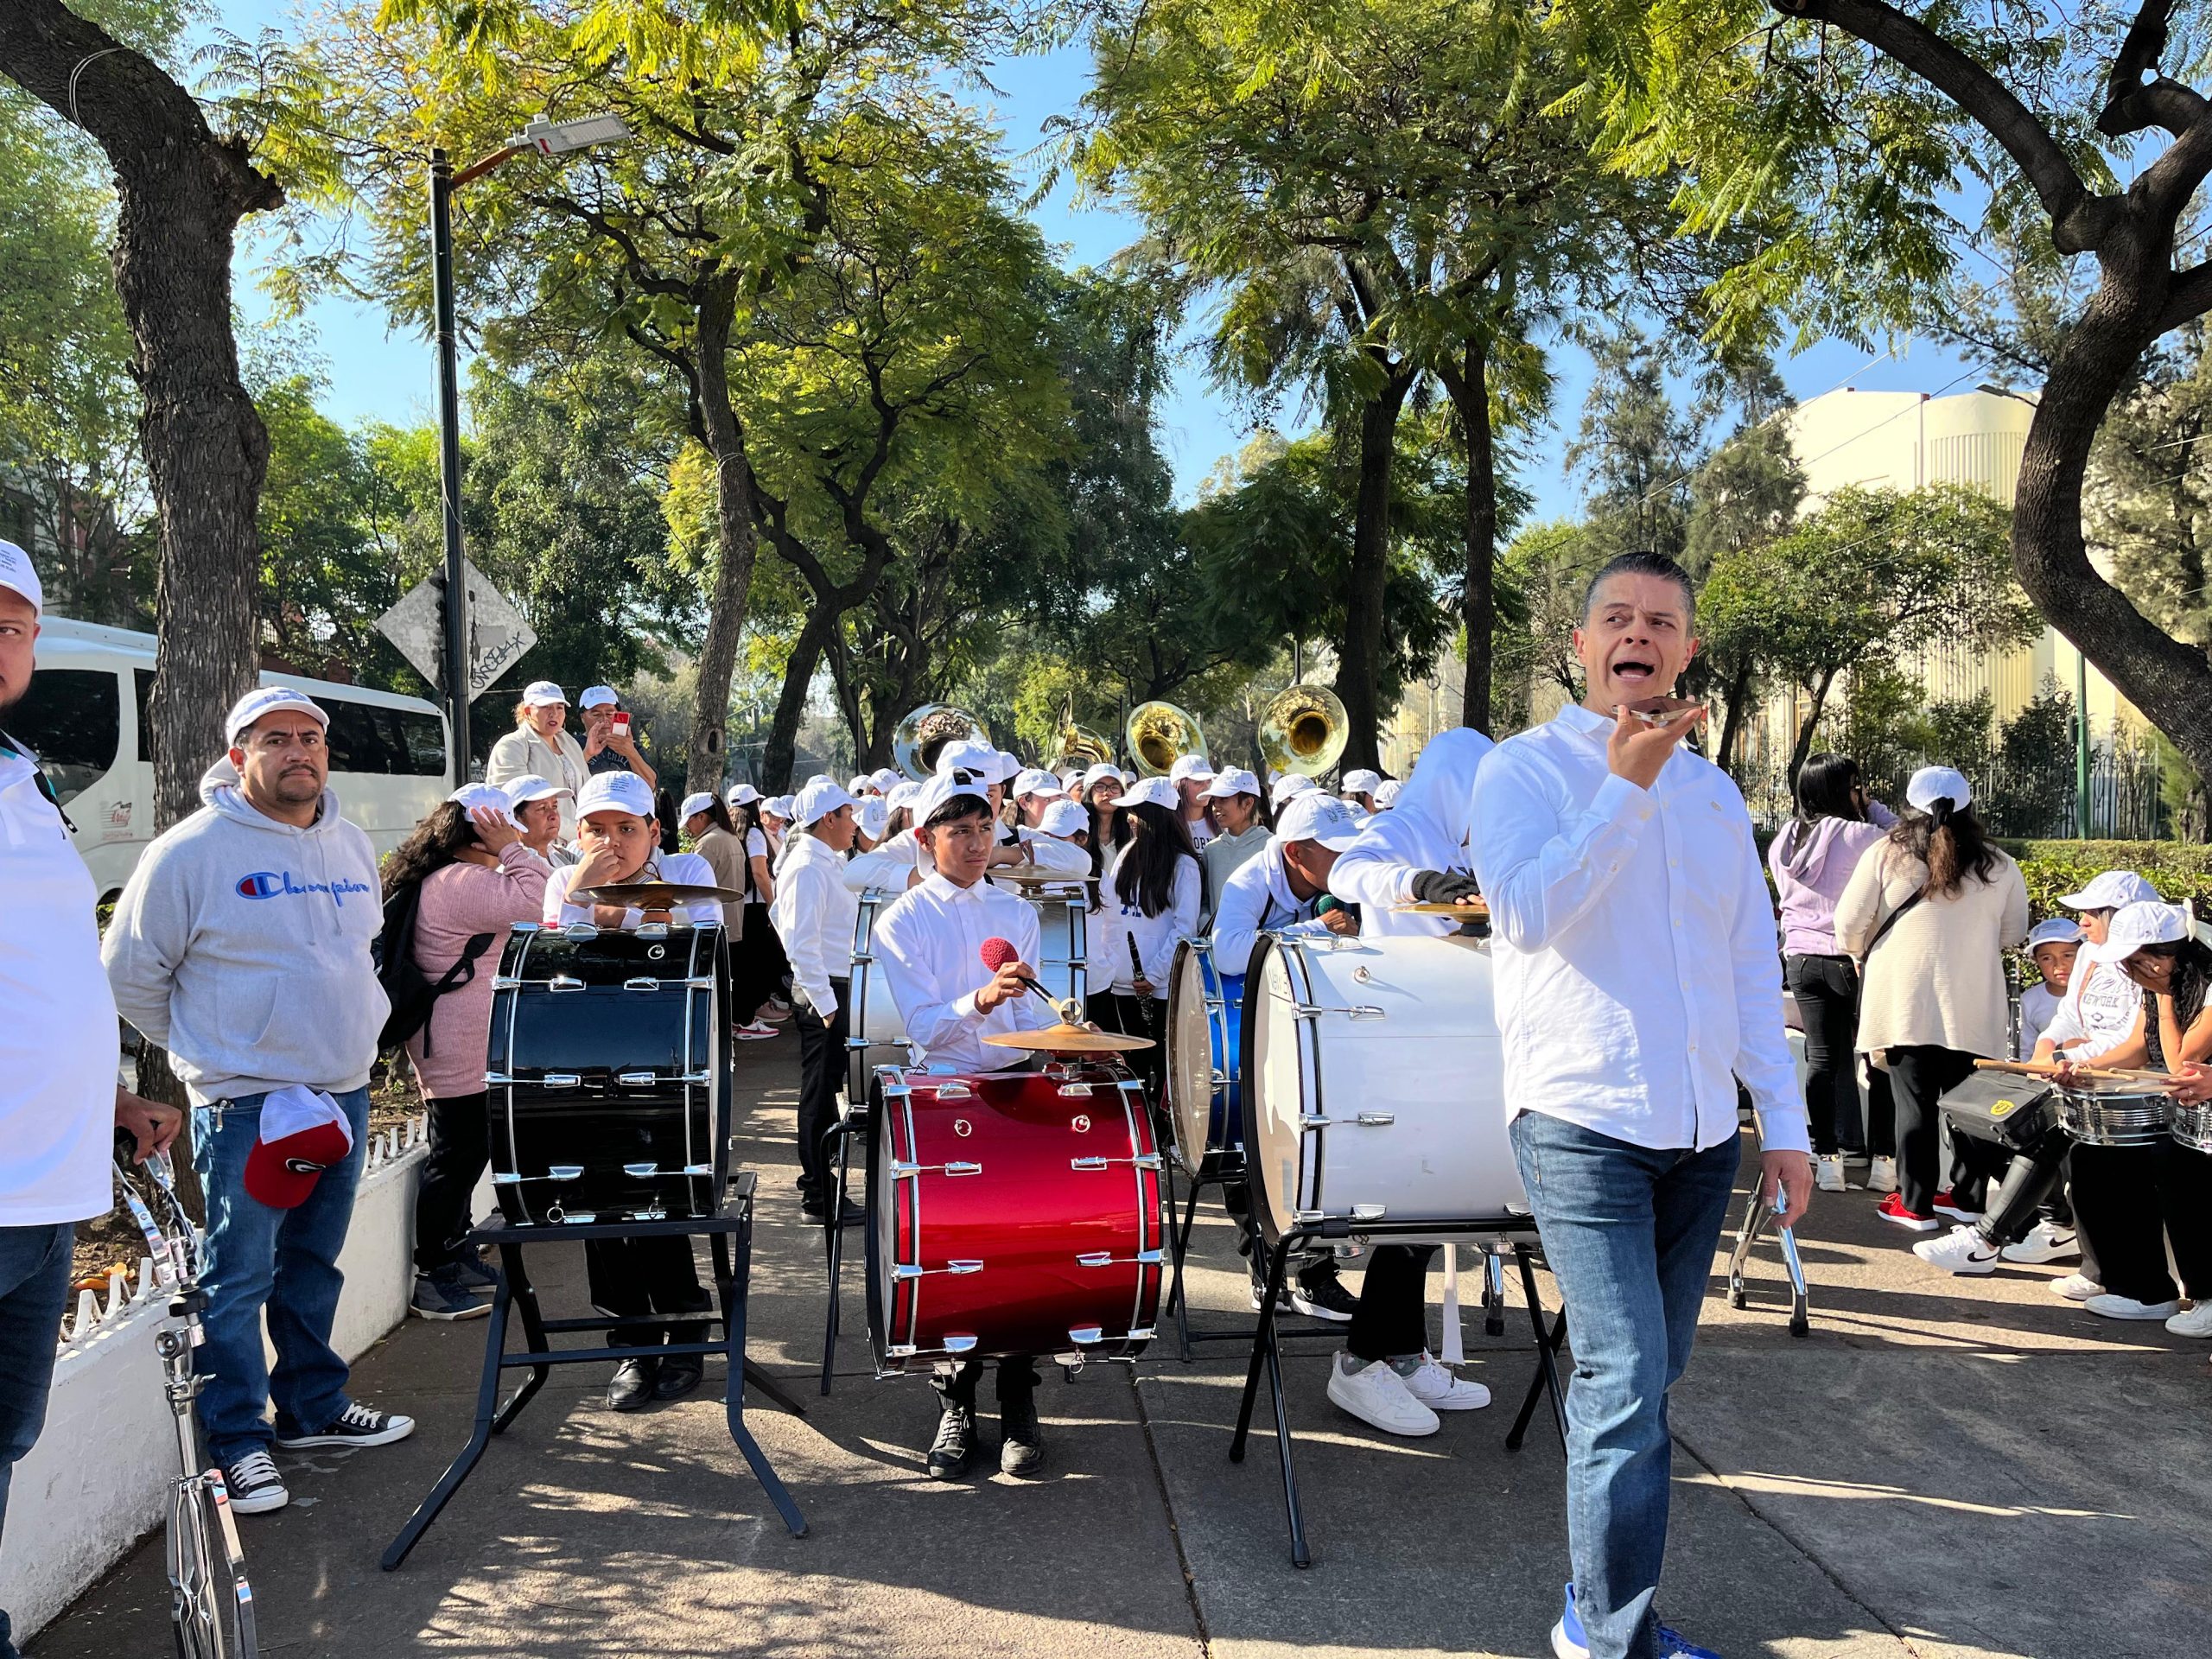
(1154,937)
(1256,899)
(1637,961)
(815,915)
(928,942)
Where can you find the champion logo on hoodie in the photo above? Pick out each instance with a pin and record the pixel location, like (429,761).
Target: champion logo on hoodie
(279,883)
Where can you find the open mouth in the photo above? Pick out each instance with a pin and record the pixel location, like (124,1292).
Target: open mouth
(1636,671)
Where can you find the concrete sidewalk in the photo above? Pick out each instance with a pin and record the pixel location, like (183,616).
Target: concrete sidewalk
(1943,1468)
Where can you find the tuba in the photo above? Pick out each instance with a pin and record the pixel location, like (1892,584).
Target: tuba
(1304,729)
(1080,746)
(917,739)
(1159,733)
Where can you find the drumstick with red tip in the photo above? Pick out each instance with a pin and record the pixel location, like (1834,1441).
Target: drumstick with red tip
(996,953)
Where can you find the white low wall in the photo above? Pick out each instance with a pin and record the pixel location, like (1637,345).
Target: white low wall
(96,1481)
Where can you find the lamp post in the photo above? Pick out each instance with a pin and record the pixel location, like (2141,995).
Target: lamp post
(545,139)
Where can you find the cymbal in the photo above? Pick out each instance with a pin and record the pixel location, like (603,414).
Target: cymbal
(1030,875)
(1470,907)
(660,895)
(1068,1040)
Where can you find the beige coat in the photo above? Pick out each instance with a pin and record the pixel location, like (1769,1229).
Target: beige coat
(523,754)
(1938,976)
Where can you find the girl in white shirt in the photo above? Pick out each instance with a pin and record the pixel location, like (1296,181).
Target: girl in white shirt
(1154,888)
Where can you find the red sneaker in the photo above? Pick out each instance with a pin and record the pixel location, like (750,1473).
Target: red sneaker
(1946,1202)
(1892,1208)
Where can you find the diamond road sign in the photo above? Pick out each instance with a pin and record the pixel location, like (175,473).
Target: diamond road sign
(498,636)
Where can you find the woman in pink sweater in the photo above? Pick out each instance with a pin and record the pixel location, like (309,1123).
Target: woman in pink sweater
(476,878)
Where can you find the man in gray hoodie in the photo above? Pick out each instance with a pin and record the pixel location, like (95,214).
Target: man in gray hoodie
(241,945)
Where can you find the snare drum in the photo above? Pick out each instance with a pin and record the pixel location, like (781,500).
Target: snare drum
(1374,1085)
(2119,1117)
(1012,1212)
(2191,1126)
(1205,1025)
(608,1075)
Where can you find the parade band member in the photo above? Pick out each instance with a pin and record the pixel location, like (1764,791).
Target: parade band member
(902,861)
(1637,978)
(930,941)
(816,914)
(1359,786)
(1153,888)
(618,841)
(1234,796)
(1188,777)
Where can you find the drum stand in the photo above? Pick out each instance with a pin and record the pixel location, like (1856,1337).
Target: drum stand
(1267,1353)
(1754,1222)
(854,1122)
(1178,1244)
(517,1295)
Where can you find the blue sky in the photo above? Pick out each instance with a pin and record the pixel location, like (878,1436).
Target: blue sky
(374,375)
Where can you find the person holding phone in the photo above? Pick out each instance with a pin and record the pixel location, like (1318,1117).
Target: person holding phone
(612,742)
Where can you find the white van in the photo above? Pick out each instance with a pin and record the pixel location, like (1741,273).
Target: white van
(86,717)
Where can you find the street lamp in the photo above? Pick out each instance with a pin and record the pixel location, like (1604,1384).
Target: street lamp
(545,139)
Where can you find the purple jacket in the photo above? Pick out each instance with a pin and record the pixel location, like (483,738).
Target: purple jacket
(1812,863)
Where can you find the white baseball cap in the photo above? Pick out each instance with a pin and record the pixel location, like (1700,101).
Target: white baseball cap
(1189,768)
(1316,814)
(1290,784)
(1099,773)
(2137,925)
(860,785)
(1362,781)
(469,797)
(887,778)
(970,755)
(874,816)
(1386,794)
(2057,930)
(616,791)
(901,793)
(1063,818)
(941,789)
(1231,781)
(593,695)
(542,693)
(531,787)
(1933,784)
(20,575)
(1036,781)
(2110,890)
(701,802)
(742,795)
(267,700)
(1152,791)
(818,799)
(780,808)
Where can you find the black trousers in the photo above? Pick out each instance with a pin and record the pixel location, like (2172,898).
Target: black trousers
(2117,1215)
(1146,1016)
(1920,1076)
(2022,1194)
(1392,1319)
(757,966)
(1827,990)
(821,1075)
(2185,1195)
(1017,1375)
(645,1275)
(460,1147)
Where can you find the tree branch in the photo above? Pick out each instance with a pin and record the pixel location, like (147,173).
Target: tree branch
(2189,296)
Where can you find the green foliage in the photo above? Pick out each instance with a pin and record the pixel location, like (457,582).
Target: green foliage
(2054,868)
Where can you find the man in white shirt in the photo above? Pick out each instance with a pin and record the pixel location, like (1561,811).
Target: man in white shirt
(59,1098)
(1191,775)
(902,862)
(930,943)
(1638,978)
(815,915)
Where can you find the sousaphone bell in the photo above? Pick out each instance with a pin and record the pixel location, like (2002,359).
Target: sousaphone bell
(1304,729)
(1159,733)
(917,739)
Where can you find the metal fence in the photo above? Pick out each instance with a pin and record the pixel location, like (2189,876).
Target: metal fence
(2031,796)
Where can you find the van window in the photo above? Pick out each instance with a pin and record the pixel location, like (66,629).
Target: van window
(71,717)
(392,741)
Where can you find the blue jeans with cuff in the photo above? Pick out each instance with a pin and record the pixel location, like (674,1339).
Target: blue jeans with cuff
(285,1260)
(34,1295)
(1629,1233)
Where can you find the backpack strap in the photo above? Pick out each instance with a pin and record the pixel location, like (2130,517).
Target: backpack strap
(461,973)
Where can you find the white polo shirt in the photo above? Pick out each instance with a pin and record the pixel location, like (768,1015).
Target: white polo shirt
(58,1032)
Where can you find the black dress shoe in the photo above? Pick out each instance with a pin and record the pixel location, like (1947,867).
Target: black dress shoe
(1021,1437)
(679,1375)
(632,1387)
(954,1443)
(849,1213)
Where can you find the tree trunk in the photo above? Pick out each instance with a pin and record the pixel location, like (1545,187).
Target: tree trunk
(735,544)
(1803,746)
(1360,657)
(1731,723)
(790,702)
(180,192)
(1478,592)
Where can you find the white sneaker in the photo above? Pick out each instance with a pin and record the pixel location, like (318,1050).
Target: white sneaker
(1436,1386)
(1881,1175)
(754,1032)
(1378,1396)
(1827,1175)
(2109,1306)
(2046,1241)
(255,1486)
(2074,1288)
(1961,1250)
(2197,1322)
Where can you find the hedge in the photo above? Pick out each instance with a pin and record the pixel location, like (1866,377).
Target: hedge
(2179,870)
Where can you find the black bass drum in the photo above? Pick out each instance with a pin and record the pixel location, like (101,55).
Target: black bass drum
(609,1074)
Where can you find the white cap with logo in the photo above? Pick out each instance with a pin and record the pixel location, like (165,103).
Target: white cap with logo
(531,787)
(1189,768)
(742,795)
(942,789)
(593,696)
(18,574)
(1232,780)
(1315,815)
(2057,930)
(1099,773)
(979,758)
(1362,781)
(267,700)
(616,791)
(1152,791)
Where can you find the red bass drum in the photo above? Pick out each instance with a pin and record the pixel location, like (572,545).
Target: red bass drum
(1012,1212)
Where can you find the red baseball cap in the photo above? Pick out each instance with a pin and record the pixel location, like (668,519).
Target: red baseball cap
(303,1133)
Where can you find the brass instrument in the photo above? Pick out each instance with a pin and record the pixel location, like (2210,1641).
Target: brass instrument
(1304,729)
(1159,733)
(917,739)
(1080,747)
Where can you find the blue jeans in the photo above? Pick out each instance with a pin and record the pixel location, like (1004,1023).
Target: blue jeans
(286,1260)
(1629,1233)
(34,1293)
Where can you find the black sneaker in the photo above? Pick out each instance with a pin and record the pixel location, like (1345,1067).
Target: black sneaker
(679,1375)
(1321,1294)
(475,1273)
(357,1424)
(849,1213)
(255,1486)
(954,1443)
(443,1295)
(632,1387)
(1021,1437)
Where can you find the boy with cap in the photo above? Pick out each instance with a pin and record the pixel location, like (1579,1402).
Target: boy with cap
(611,737)
(540,746)
(816,914)
(241,945)
(2052,946)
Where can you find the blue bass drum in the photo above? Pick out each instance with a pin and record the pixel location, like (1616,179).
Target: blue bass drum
(1206,1020)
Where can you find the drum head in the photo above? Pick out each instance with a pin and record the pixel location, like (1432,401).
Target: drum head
(1273,1093)
(1190,1055)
